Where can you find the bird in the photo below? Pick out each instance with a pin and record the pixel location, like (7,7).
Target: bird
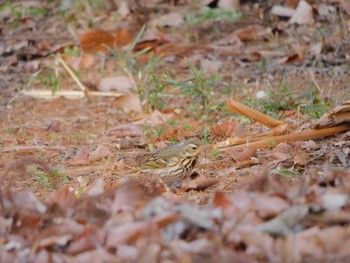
(174,162)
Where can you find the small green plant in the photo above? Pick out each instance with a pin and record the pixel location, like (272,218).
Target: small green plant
(205,135)
(149,83)
(50,80)
(213,14)
(216,153)
(314,106)
(22,11)
(287,172)
(201,88)
(42,179)
(277,101)
(72,51)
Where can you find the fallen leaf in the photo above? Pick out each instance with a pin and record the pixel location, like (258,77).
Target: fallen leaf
(247,163)
(155,118)
(225,130)
(64,197)
(244,155)
(123,8)
(173,19)
(200,182)
(283,224)
(210,66)
(96,40)
(128,233)
(334,201)
(126,130)
(128,103)
(121,84)
(96,188)
(334,117)
(100,152)
(303,14)
(129,196)
(301,158)
(326,12)
(283,11)
(81,158)
(229,4)
(253,32)
(316,49)
(221,200)
(25,200)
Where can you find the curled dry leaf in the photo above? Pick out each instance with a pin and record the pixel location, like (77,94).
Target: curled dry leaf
(335,117)
(225,130)
(126,130)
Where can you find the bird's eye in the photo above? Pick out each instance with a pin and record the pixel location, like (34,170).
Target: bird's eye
(194,147)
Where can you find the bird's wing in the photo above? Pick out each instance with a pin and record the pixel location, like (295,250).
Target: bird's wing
(155,162)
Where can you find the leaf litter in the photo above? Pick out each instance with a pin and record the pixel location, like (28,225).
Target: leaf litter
(275,196)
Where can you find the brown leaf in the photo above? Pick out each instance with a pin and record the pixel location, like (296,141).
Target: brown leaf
(126,233)
(283,11)
(128,103)
(221,200)
(126,130)
(303,14)
(335,117)
(27,200)
(155,118)
(100,152)
(96,188)
(247,163)
(253,32)
(64,197)
(229,4)
(129,196)
(283,224)
(123,37)
(200,182)
(96,40)
(244,155)
(81,158)
(301,158)
(121,84)
(226,129)
(173,19)
(269,206)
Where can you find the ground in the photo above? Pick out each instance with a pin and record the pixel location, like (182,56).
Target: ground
(147,87)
